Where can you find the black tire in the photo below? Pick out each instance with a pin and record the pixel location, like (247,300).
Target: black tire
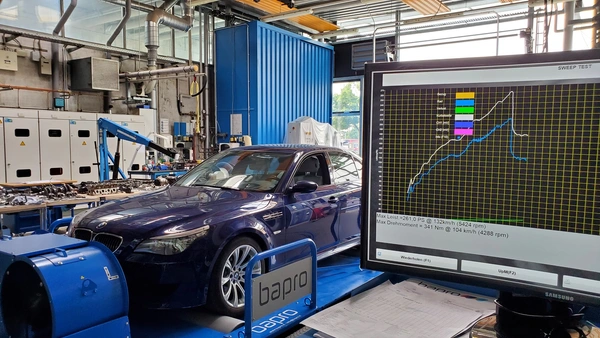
(216,300)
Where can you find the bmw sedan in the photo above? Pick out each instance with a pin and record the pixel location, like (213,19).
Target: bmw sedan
(188,244)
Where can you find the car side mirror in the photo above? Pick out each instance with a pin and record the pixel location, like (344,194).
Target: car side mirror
(303,187)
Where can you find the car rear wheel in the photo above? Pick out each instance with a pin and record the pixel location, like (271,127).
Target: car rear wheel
(227,287)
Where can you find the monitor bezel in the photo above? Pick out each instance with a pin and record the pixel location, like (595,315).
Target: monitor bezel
(518,287)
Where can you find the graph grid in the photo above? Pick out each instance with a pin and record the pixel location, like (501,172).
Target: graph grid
(523,155)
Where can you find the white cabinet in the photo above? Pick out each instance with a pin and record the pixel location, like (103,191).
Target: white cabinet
(21,145)
(84,135)
(127,148)
(133,153)
(2,158)
(55,152)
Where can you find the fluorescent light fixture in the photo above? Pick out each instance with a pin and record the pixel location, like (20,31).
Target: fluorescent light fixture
(339,32)
(422,19)
(427,7)
(195,3)
(286,15)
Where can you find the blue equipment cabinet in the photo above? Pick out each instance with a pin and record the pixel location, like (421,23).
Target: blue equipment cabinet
(57,286)
(267,77)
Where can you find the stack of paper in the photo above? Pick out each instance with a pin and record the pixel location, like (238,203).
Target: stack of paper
(413,308)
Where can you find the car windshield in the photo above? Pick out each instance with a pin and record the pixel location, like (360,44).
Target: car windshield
(240,169)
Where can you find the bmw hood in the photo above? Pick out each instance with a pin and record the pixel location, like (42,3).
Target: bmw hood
(186,207)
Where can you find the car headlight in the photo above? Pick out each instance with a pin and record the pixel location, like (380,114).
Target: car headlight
(76,220)
(171,244)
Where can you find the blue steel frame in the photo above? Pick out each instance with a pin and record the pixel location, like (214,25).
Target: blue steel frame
(268,254)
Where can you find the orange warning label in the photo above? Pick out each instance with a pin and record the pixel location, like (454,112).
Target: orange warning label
(84,144)
(22,143)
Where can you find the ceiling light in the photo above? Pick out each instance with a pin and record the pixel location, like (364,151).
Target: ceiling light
(335,33)
(195,3)
(427,7)
(286,15)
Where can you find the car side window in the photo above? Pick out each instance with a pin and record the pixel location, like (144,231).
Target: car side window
(313,168)
(344,169)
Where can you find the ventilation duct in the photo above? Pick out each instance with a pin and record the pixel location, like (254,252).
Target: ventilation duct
(161,16)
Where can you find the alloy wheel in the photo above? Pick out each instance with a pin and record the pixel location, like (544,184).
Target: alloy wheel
(234,273)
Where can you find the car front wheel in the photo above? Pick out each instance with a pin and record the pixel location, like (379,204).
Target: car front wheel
(227,287)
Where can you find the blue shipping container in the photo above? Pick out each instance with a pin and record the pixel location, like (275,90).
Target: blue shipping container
(270,77)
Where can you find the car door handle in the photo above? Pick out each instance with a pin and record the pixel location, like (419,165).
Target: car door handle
(333,199)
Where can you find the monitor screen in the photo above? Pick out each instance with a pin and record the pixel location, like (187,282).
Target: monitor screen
(485,171)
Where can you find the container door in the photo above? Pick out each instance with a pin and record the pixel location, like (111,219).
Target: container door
(131,148)
(54,149)
(22,148)
(83,150)
(2,158)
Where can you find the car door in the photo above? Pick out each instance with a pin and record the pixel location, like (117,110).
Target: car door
(311,215)
(347,178)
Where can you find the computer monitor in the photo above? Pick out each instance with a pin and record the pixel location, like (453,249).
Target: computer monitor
(486,171)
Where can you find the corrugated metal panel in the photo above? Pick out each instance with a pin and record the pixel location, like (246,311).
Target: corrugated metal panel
(289,76)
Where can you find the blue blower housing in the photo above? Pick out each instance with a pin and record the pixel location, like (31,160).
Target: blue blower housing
(57,286)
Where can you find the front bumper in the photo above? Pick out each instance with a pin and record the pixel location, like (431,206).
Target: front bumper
(159,284)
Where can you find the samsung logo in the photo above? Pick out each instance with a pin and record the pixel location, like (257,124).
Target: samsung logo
(559,296)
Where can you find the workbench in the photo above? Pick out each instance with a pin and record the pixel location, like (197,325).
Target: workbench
(47,207)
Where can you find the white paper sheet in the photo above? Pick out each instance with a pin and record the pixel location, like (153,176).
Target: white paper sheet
(413,308)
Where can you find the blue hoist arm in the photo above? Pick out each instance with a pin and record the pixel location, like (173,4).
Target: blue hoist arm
(123,133)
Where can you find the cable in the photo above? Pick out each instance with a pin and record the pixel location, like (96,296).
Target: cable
(203,86)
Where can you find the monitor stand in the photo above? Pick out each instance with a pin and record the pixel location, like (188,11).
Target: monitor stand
(530,317)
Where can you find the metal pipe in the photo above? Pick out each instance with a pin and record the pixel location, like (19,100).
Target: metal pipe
(80,43)
(65,17)
(207,140)
(168,4)
(162,71)
(529,37)
(397,36)
(55,64)
(465,15)
(568,34)
(169,77)
(121,24)
(34,89)
(153,20)
(134,4)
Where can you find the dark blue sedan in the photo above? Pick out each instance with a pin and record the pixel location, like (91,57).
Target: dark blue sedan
(188,244)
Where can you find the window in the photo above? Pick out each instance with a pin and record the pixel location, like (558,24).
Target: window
(54,133)
(135,167)
(346,113)
(21,132)
(83,133)
(56,171)
(314,169)
(24,173)
(344,168)
(85,170)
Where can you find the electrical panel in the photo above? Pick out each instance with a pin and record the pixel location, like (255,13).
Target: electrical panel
(134,153)
(22,145)
(45,67)
(8,60)
(2,158)
(94,74)
(84,137)
(54,143)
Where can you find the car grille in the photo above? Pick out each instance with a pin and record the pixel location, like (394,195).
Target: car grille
(112,242)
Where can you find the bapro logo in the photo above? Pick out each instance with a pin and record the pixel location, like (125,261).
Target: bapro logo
(451,292)
(281,289)
(277,320)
